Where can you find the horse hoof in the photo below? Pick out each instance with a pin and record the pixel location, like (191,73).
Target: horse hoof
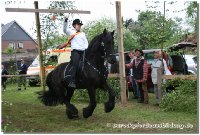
(72,112)
(86,113)
(109,106)
(71,116)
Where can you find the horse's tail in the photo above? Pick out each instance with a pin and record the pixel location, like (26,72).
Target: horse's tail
(51,97)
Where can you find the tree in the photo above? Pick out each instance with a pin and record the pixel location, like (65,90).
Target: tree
(153,30)
(191,11)
(96,27)
(9,51)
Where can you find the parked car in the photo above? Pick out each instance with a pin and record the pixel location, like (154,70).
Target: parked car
(191,61)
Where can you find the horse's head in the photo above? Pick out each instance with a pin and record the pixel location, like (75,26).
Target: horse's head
(108,46)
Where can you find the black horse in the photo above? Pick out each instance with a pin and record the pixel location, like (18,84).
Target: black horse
(92,74)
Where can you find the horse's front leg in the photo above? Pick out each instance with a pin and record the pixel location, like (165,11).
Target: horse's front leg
(110,104)
(71,110)
(87,112)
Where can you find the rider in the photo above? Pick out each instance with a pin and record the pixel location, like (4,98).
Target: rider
(78,43)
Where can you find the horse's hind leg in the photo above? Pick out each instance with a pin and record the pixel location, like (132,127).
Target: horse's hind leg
(87,112)
(71,110)
(110,104)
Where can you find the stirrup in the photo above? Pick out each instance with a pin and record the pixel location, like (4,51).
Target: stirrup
(72,84)
(67,76)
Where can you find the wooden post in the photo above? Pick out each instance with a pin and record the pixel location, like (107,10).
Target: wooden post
(159,83)
(121,54)
(198,38)
(198,35)
(27,10)
(42,72)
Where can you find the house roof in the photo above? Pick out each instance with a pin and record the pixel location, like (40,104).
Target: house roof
(6,27)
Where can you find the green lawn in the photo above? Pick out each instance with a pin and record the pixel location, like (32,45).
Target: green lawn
(22,112)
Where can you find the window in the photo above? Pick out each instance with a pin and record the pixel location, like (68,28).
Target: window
(11,45)
(20,45)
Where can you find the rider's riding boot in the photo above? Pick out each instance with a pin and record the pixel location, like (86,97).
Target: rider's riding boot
(72,84)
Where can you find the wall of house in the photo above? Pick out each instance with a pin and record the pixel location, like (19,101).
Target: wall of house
(28,46)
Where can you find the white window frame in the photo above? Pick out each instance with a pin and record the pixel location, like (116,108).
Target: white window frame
(20,45)
(11,45)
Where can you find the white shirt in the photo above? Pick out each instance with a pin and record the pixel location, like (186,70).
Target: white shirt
(154,66)
(131,70)
(79,42)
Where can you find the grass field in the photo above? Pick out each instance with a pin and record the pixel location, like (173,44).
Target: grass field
(22,112)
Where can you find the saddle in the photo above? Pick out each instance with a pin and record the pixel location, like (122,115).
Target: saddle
(69,69)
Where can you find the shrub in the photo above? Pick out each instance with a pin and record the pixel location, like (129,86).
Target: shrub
(82,95)
(101,95)
(183,98)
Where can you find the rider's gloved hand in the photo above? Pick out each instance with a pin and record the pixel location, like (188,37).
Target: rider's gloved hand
(66,19)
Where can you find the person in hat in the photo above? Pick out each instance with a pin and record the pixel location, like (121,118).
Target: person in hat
(22,71)
(139,66)
(79,44)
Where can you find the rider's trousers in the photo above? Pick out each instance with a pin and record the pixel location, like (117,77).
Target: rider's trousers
(75,58)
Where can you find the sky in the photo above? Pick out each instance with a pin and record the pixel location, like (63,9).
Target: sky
(98,8)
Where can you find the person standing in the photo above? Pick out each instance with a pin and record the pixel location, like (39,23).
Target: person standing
(22,71)
(140,69)
(156,64)
(3,79)
(135,90)
(78,43)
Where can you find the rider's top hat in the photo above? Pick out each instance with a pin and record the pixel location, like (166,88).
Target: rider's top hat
(77,21)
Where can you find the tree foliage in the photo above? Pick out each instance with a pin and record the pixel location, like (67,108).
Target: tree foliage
(191,11)
(183,98)
(153,30)
(96,27)
(10,51)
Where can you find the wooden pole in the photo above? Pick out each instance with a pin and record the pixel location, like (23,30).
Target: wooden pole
(184,77)
(28,10)
(198,41)
(121,53)
(159,83)
(42,72)
(17,75)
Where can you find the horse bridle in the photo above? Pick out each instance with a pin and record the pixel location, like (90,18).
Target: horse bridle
(104,50)
(103,57)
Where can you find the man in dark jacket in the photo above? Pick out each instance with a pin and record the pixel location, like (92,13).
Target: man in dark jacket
(22,71)
(140,69)
(3,79)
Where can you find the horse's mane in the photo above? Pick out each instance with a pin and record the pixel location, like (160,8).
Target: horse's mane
(94,44)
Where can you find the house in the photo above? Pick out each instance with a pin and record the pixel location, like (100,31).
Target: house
(14,36)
